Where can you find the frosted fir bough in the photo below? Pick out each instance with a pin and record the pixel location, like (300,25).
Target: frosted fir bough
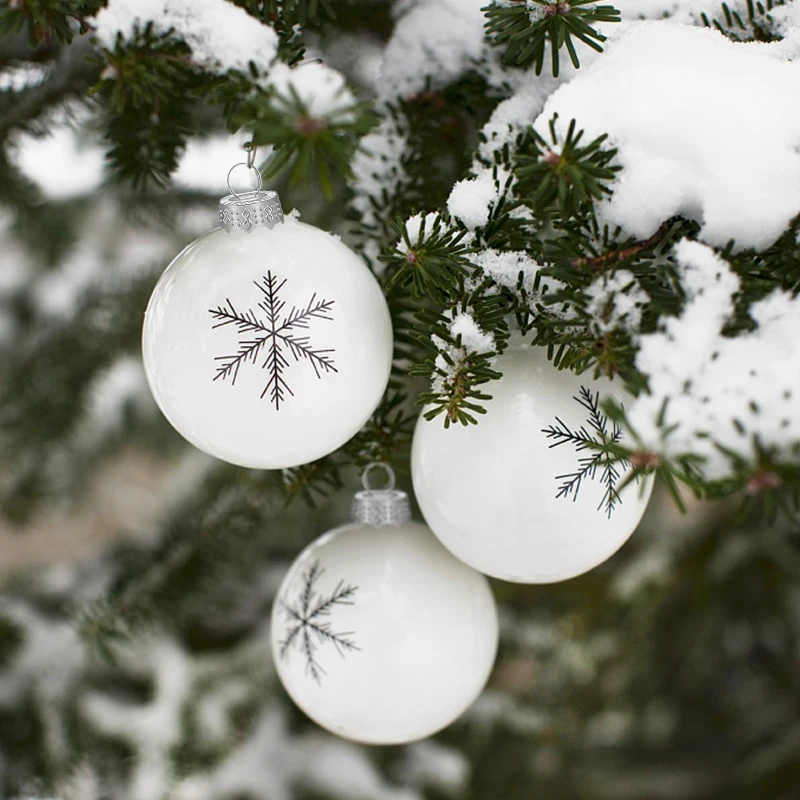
(732,167)
(222,37)
(720,397)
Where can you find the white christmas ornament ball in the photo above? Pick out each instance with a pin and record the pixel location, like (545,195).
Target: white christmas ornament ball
(521,496)
(380,635)
(268,348)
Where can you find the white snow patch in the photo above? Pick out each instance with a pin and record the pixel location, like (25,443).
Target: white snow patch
(221,35)
(205,164)
(50,653)
(700,152)
(419,225)
(787,24)
(271,765)
(652,567)
(112,391)
(514,115)
(504,267)
(62,164)
(20,77)
(616,300)
(378,172)
(431,763)
(322,90)
(436,41)
(473,338)
(154,728)
(472,199)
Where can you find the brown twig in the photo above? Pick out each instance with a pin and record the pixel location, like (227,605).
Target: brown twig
(601,262)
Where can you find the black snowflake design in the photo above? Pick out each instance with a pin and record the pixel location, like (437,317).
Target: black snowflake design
(597,438)
(308,628)
(273,335)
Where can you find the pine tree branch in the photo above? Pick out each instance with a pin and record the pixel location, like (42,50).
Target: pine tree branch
(601,262)
(72,76)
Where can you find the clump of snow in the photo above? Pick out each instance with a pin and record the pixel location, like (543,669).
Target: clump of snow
(472,199)
(378,173)
(62,164)
(451,357)
(505,266)
(699,151)
(435,40)
(270,764)
(473,338)
(786,20)
(433,764)
(514,115)
(206,162)
(651,567)
(221,35)
(616,300)
(721,390)
(419,224)
(49,654)
(154,728)
(113,390)
(535,10)
(21,77)
(321,89)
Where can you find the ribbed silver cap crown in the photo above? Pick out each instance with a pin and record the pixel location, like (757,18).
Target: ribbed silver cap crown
(249,210)
(379,507)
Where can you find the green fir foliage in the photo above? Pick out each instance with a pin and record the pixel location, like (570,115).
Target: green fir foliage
(526,27)
(748,24)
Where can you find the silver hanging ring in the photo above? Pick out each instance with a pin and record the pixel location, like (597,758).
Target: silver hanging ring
(249,166)
(389,477)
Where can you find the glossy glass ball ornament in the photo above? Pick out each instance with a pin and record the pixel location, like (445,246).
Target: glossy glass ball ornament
(378,633)
(522,495)
(267,342)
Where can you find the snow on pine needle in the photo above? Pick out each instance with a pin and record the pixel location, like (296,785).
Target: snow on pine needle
(275,336)
(221,35)
(308,627)
(597,438)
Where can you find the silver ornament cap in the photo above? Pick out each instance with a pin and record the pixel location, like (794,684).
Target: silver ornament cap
(249,210)
(380,507)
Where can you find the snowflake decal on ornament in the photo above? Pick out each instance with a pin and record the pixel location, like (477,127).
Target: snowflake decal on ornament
(273,335)
(597,438)
(308,627)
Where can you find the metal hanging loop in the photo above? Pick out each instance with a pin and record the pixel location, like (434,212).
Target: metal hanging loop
(249,210)
(249,166)
(380,507)
(390,481)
